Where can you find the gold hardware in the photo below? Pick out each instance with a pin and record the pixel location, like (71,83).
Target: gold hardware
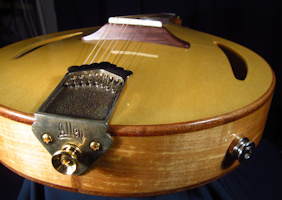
(47,139)
(65,161)
(95,146)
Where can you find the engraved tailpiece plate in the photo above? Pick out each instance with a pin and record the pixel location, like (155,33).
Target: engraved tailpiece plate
(72,123)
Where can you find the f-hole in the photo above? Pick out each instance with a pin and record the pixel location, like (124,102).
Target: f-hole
(238,65)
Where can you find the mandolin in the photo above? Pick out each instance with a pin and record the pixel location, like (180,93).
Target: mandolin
(140,106)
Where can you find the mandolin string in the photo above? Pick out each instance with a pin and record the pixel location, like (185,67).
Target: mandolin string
(136,29)
(121,28)
(146,35)
(120,53)
(123,43)
(103,42)
(116,42)
(120,50)
(96,44)
(128,42)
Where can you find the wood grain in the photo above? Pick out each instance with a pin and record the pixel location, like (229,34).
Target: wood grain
(139,33)
(136,166)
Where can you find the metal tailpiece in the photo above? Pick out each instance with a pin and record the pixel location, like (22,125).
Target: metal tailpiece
(72,123)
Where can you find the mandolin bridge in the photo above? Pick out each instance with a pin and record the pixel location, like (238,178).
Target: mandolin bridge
(72,123)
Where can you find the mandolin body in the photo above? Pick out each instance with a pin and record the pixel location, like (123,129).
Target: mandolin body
(173,123)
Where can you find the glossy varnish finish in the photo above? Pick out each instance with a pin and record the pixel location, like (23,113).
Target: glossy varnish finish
(136,166)
(172,126)
(197,81)
(138,33)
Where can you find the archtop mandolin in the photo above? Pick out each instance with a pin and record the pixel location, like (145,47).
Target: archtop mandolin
(140,106)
